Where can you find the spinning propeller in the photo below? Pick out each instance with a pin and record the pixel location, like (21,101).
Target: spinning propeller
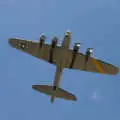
(90,50)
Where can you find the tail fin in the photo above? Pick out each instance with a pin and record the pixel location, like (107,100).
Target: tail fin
(52,98)
(60,93)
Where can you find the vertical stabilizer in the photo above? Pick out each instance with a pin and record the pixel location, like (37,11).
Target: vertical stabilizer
(52,98)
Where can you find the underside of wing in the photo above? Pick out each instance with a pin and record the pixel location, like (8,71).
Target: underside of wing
(92,65)
(33,48)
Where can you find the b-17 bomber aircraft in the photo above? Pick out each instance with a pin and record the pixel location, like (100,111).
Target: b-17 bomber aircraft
(62,57)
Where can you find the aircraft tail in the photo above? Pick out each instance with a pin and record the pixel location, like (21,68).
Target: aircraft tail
(52,98)
(59,93)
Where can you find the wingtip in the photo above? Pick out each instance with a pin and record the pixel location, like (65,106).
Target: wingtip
(118,71)
(33,86)
(10,41)
(75,98)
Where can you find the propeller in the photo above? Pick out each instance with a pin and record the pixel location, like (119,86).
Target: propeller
(55,38)
(68,33)
(42,35)
(90,50)
(78,44)
(59,40)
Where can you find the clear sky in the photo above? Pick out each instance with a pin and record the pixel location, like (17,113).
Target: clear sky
(95,23)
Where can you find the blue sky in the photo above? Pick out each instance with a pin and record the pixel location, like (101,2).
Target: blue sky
(95,23)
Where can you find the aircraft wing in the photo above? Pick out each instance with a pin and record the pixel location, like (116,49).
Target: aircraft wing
(93,65)
(74,62)
(33,48)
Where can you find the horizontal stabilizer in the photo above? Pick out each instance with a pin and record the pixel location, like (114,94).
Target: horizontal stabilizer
(60,93)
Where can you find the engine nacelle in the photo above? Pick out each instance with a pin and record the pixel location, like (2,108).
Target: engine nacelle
(89,52)
(42,40)
(54,42)
(76,47)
